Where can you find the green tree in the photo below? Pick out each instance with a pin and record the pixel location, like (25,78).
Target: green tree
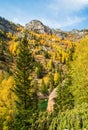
(65,99)
(39,70)
(43,88)
(25,105)
(5,56)
(51,82)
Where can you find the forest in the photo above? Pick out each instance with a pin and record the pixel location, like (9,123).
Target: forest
(32,65)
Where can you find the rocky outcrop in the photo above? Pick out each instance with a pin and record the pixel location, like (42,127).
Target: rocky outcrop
(7,26)
(51,100)
(73,35)
(78,34)
(60,33)
(38,27)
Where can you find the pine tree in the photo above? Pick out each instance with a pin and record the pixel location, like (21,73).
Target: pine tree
(51,82)
(43,88)
(5,56)
(23,87)
(65,98)
(39,70)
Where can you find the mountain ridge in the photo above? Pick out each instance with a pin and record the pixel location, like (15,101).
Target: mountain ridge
(38,27)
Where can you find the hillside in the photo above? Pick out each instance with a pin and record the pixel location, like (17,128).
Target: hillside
(45,46)
(47,40)
(8,26)
(55,75)
(48,50)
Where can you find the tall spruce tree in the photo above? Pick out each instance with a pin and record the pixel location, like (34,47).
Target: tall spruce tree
(65,99)
(23,87)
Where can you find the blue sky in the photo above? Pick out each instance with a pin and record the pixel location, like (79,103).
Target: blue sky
(62,14)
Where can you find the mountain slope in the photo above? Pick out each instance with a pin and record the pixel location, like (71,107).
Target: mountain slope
(55,76)
(8,26)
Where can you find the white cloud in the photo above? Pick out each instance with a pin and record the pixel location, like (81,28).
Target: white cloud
(71,21)
(67,5)
(66,12)
(61,14)
(68,22)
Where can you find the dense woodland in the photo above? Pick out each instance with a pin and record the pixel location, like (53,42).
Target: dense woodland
(33,64)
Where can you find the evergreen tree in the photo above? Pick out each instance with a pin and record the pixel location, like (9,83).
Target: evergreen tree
(23,87)
(65,98)
(51,82)
(5,56)
(43,88)
(38,69)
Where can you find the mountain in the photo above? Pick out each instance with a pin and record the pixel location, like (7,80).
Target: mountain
(38,33)
(38,27)
(58,76)
(8,26)
(73,35)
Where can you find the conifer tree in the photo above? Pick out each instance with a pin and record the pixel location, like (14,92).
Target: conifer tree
(44,88)
(65,98)
(23,87)
(51,82)
(38,69)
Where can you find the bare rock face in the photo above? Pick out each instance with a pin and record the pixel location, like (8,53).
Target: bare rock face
(51,100)
(38,27)
(7,26)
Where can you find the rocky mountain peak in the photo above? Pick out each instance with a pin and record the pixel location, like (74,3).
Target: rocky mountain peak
(39,27)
